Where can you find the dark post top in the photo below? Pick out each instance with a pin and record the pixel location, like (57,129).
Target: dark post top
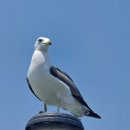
(54,121)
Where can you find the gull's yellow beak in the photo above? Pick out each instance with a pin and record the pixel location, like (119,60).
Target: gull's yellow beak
(46,41)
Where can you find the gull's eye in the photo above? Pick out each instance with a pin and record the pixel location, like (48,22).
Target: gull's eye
(40,40)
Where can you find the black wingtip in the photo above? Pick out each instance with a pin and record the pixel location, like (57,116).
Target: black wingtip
(92,114)
(97,116)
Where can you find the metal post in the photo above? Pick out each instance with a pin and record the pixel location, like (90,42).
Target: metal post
(54,121)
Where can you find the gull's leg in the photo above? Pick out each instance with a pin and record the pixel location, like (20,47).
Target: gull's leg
(58,108)
(45,108)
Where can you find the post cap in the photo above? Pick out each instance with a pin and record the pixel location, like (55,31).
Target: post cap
(49,121)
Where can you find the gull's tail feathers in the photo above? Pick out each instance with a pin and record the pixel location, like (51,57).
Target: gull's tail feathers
(92,114)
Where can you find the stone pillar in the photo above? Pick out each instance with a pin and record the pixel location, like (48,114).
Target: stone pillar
(54,121)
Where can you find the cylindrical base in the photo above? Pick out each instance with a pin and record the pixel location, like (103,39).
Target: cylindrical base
(54,121)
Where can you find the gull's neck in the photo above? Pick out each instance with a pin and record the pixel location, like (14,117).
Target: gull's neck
(41,57)
(42,48)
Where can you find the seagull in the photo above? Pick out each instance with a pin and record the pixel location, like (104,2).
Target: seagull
(53,86)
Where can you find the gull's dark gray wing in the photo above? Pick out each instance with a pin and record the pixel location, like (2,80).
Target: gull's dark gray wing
(31,88)
(69,82)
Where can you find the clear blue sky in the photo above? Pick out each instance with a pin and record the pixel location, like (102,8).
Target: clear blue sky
(91,42)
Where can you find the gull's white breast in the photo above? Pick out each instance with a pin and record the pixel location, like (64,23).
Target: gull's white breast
(48,88)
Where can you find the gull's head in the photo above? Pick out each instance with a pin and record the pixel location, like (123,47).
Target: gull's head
(42,42)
